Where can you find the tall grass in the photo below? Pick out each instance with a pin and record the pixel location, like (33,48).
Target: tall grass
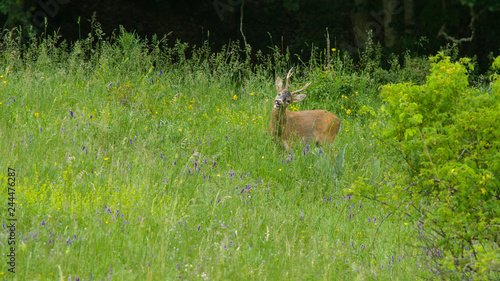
(143,160)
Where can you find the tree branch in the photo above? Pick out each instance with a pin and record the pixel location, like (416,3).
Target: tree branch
(241,25)
(461,40)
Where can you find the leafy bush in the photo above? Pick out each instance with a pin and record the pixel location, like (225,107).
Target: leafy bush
(446,136)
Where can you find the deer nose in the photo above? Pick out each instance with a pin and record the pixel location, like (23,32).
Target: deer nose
(277,103)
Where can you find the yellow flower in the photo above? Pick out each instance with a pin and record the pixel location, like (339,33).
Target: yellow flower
(251,94)
(235,97)
(333,49)
(106,159)
(180,130)
(218,175)
(406,223)
(5,82)
(348,111)
(36,114)
(1,76)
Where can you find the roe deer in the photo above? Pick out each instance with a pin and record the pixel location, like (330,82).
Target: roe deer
(319,126)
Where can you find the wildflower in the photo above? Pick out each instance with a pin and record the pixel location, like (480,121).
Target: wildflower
(180,130)
(235,97)
(71,112)
(348,111)
(36,114)
(333,49)
(251,94)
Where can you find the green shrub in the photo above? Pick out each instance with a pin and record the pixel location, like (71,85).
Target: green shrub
(446,136)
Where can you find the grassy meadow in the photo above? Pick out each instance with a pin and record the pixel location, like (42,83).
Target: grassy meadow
(141,160)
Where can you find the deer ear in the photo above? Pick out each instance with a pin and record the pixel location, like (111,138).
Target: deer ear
(278,84)
(298,98)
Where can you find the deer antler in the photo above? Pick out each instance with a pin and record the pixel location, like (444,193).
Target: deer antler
(298,91)
(290,73)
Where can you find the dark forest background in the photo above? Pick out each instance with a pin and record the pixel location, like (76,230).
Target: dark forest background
(422,27)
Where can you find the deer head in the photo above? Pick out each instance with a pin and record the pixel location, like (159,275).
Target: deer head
(284,96)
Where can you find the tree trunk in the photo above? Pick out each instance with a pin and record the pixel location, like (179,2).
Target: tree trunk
(360,22)
(409,16)
(390,34)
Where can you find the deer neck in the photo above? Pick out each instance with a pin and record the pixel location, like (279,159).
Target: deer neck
(278,122)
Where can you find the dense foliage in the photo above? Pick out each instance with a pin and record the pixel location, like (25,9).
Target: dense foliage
(446,136)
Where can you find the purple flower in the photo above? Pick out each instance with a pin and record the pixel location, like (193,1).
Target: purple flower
(161,155)
(199,227)
(320,151)
(83,147)
(215,163)
(152,80)
(43,223)
(41,130)
(91,116)
(159,74)
(71,112)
